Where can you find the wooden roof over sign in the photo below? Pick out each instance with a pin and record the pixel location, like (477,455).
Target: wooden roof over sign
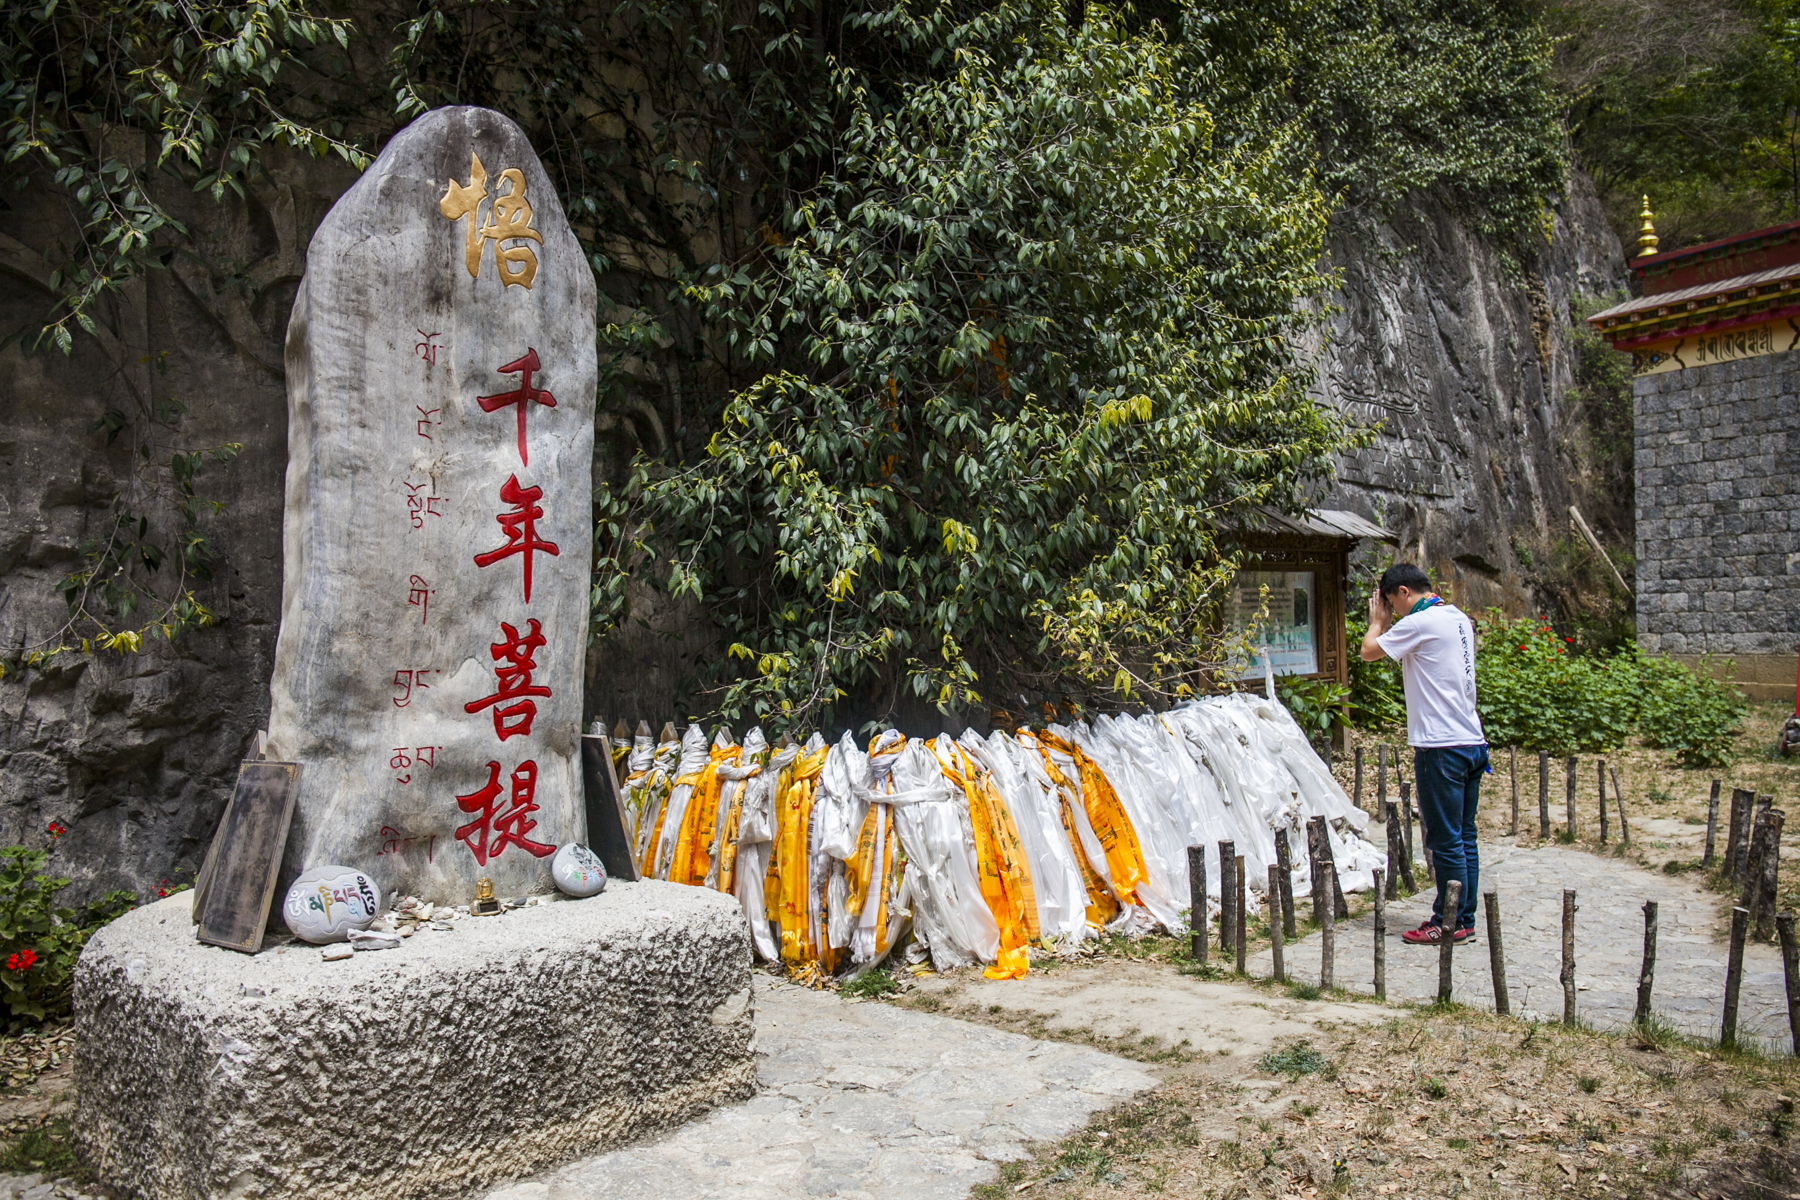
(1318,523)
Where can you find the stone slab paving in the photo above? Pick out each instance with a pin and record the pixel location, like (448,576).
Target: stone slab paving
(864,1101)
(1609,942)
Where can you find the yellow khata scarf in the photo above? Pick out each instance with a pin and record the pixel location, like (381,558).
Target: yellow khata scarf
(693,849)
(791,866)
(1102,906)
(647,868)
(728,854)
(1005,878)
(1118,840)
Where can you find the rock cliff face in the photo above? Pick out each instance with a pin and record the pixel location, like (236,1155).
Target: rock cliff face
(1464,359)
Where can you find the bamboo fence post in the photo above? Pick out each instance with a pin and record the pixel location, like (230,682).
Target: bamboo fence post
(1712,825)
(1227,865)
(1496,954)
(1512,771)
(1447,947)
(1327,934)
(1544,794)
(1567,975)
(1284,859)
(1197,899)
(1734,976)
(1601,764)
(1647,972)
(1238,907)
(1624,825)
(1275,946)
(1569,778)
(1380,937)
(1790,970)
(1357,798)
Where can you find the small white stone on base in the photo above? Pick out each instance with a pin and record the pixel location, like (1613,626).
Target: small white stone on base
(553,1032)
(335,952)
(578,871)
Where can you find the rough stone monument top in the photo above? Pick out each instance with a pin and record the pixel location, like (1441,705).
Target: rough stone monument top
(437,541)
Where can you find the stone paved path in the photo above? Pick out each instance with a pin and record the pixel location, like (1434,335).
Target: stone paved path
(864,1101)
(1609,941)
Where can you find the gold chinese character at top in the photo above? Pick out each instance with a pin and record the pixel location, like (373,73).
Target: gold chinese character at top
(509,219)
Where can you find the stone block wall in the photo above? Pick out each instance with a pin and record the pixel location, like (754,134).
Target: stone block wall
(1718,516)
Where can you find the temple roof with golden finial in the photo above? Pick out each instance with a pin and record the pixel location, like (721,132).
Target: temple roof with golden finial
(1725,297)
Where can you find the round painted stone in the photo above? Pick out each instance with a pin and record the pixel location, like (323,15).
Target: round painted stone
(326,903)
(578,871)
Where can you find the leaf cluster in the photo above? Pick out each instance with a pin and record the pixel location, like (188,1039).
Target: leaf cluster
(1536,693)
(40,941)
(1027,348)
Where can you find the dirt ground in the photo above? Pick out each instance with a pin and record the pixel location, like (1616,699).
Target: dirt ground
(1273,1093)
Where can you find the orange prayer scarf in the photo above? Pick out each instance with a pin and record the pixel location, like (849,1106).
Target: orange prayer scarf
(647,868)
(1118,840)
(1005,879)
(792,866)
(693,849)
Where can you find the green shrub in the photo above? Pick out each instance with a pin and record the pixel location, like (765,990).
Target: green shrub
(1377,700)
(1533,693)
(1316,705)
(40,942)
(1691,713)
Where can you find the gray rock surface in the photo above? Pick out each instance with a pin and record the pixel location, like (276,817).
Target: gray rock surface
(438,534)
(864,1100)
(1464,358)
(501,1048)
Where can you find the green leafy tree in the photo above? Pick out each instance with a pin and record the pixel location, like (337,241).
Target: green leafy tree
(1027,348)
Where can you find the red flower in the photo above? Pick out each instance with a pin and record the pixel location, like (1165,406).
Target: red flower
(22,960)
(57,829)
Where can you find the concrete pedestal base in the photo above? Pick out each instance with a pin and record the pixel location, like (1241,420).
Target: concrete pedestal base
(465,1057)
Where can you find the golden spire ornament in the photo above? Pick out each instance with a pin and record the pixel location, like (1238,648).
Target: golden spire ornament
(1647,238)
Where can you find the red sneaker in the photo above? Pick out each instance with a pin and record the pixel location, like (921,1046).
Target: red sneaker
(1425,935)
(1463,935)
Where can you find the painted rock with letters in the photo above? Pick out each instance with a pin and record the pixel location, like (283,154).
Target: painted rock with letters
(578,871)
(326,903)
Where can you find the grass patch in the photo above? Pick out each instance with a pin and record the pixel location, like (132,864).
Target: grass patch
(1295,1060)
(869,985)
(1304,991)
(46,1150)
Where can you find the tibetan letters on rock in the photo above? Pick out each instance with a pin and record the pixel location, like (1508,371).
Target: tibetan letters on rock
(437,541)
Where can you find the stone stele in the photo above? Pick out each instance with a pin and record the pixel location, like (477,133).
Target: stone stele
(437,539)
(430,1071)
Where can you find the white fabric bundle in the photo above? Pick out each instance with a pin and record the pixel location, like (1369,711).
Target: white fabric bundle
(693,757)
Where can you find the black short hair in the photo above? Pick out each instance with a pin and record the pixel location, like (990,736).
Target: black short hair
(1404,575)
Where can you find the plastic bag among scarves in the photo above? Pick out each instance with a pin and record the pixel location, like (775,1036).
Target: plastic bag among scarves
(981,845)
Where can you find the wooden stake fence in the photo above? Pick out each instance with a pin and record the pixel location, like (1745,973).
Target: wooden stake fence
(1275,921)
(1285,862)
(1447,947)
(1544,794)
(1734,976)
(1512,771)
(1380,937)
(1197,902)
(1497,954)
(1647,972)
(1567,975)
(1712,826)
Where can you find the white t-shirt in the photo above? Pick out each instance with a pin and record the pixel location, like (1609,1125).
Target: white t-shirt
(1435,648)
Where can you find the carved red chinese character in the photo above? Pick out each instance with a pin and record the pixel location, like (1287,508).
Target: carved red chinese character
(523,396)
(513,712)
(492,831)
(521,529)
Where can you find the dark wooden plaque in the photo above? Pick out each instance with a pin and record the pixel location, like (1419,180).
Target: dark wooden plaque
(237,883)
(608,830)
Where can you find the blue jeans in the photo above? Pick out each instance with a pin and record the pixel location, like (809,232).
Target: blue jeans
(1449,781)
